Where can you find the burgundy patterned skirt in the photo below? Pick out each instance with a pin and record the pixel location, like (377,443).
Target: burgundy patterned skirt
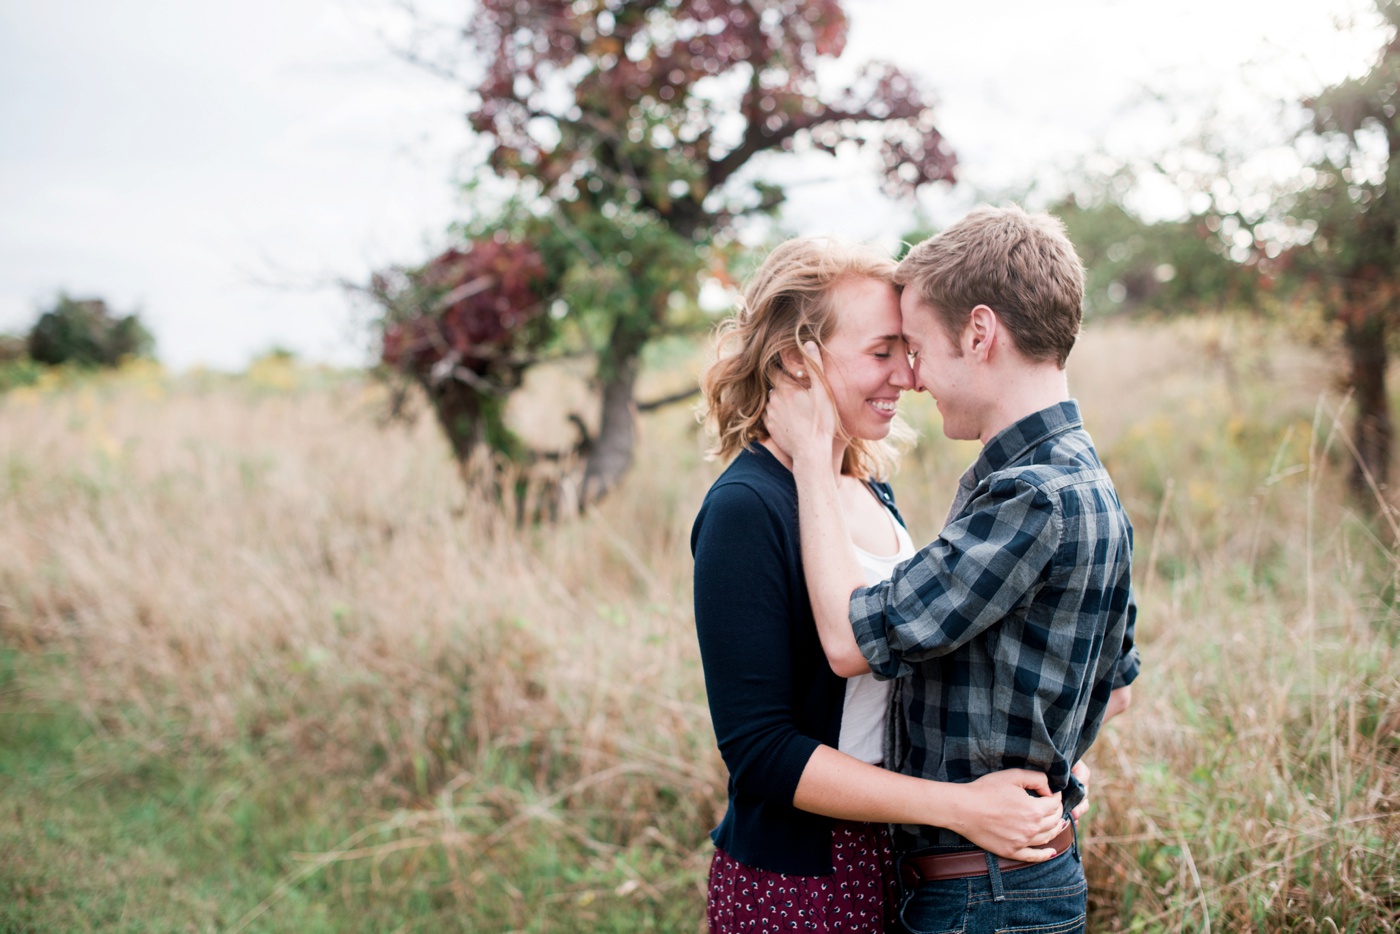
(852,899)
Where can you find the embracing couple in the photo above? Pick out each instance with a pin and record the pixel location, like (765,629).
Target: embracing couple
(903,726)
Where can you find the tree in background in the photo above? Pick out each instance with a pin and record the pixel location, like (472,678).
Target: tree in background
(1323,240)
(456,325)
(85,332)
(632,132)
(1167,267)
(1353,259)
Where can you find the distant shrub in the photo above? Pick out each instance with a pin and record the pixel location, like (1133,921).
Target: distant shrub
(277,354)
(16,369)
(12,349)
(85,332)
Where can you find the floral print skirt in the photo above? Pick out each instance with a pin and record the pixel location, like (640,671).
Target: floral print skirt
(851,899)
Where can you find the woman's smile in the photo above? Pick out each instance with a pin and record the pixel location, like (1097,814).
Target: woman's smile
(886,407)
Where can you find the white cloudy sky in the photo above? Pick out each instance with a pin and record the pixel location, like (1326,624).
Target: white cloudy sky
(219,167)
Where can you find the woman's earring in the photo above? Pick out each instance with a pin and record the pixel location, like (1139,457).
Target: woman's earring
(801,374)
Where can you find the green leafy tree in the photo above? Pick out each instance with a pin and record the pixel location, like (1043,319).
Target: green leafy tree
(1324,239)
(1328,237)
(632,131)
(1353,259)
(1163,267)
(85,332)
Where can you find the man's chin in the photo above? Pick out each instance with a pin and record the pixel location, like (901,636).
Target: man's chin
(954,433)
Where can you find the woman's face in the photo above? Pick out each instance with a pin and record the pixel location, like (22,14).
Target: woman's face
(866,362)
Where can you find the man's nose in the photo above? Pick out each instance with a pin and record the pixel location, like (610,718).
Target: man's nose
(916,382)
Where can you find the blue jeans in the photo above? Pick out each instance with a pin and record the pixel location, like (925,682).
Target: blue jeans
(1046,898)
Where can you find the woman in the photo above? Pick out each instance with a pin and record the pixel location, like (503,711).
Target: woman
(803,842)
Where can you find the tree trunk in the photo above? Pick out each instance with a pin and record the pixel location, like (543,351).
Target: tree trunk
(610,456)
(1375,432)
(459,412)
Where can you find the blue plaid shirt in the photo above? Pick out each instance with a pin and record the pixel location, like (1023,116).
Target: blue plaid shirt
(1008,632)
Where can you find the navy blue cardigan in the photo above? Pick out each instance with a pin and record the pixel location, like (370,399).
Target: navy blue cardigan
(773,697)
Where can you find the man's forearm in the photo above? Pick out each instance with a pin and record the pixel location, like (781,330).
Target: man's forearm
(1118,701)
(995,812)
(830,565)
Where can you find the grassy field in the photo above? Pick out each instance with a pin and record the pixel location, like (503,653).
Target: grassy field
(268,664)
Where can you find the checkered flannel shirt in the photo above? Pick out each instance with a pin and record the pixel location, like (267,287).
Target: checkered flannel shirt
(1008,632)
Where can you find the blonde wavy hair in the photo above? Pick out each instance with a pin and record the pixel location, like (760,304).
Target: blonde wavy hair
(786,304)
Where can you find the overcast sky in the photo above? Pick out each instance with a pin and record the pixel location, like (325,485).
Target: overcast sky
(220,167)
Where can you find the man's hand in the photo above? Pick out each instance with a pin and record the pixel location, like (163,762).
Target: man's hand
(997,814)
(800,416)
(1081,772)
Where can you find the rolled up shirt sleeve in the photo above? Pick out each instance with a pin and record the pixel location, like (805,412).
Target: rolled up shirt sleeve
(1128,662)
(985,564)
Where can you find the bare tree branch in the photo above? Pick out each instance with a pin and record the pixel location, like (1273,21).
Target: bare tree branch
(654,404)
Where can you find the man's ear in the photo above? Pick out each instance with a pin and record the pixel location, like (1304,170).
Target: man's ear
(979,337)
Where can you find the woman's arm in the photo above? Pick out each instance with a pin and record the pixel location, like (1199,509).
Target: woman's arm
(743,619)
(999,812)
(802,423)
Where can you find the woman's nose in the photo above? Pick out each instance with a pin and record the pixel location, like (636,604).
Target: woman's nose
(903,376)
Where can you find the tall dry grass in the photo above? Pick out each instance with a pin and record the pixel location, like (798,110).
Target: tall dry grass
(225,563)
(1255,785)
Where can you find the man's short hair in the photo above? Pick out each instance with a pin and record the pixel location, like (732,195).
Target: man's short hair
(1020,265)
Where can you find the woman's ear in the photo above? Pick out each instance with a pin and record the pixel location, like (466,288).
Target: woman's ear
(794,364)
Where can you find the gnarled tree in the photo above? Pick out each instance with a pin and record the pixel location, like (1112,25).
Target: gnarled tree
(631,129)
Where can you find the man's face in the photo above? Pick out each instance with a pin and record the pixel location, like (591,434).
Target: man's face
(940,369)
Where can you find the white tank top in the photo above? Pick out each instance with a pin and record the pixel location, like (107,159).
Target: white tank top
(863,713)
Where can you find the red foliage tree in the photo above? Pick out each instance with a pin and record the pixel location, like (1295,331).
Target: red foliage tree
(627,123)
(458,326)
(480,300)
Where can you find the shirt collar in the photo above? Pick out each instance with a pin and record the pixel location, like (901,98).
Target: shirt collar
(1011,443)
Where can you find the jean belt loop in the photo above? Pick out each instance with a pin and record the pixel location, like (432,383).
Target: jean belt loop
(906,889)
(1074,825)
(994,876)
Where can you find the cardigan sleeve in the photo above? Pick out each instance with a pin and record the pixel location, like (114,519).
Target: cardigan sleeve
(743,617)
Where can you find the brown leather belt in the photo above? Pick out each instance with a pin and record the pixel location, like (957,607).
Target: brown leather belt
(959,865)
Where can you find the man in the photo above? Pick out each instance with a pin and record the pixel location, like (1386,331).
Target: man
(1011,635)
